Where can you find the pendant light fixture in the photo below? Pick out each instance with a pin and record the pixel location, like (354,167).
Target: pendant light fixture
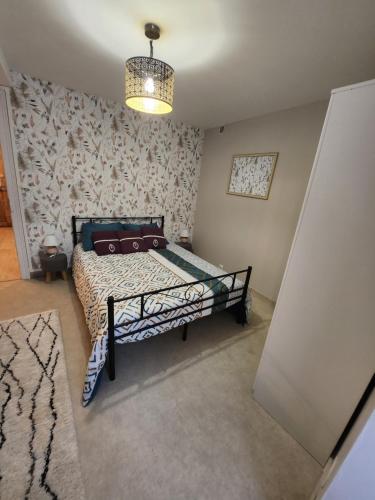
(149,82)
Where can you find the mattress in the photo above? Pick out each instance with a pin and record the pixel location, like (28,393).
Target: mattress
(98,277)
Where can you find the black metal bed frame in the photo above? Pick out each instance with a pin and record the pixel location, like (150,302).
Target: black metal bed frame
(239,307)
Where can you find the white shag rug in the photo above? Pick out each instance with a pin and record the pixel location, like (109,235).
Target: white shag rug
(38,446)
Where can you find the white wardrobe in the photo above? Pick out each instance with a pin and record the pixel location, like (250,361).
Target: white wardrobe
(320,351)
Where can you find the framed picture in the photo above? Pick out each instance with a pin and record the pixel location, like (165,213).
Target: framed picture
(251,175)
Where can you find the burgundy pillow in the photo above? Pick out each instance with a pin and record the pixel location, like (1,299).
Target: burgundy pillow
(106,242)
(131,241)
(153,238)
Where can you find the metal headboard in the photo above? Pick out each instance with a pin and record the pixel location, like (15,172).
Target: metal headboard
(75,219)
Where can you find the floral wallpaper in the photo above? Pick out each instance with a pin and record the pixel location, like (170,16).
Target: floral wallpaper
(84,155)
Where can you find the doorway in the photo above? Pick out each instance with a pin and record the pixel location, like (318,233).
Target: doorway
(9,266)
(14,262)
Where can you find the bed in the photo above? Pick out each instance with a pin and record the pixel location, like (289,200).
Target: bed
(129,298)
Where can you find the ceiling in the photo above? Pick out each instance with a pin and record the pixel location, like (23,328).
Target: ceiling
(234,59)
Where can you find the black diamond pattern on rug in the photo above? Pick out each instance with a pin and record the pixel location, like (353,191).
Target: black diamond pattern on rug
(38,448)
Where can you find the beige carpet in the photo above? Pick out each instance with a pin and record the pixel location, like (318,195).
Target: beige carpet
(179,421)
(38,446)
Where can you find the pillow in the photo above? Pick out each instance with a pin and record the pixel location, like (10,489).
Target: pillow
(131,241)
(137,227)
(106,242)
(153,238)
(89,227)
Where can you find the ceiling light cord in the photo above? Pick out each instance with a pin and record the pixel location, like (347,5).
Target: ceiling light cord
(151,49)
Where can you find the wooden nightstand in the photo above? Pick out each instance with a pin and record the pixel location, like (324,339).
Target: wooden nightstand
(185,244)
(52,265)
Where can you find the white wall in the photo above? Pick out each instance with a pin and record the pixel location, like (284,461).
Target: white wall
(5,79)
(237,231)
(353,473)
(320,351)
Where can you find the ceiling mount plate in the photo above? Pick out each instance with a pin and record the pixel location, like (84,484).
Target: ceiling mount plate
(152,31)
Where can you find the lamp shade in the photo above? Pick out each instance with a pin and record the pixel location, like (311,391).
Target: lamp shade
(149,85)
(50,241)
(184,233)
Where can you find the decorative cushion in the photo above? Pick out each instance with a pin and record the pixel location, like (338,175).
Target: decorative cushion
(106,242)
(137,227)
(131,241)
(153,238)
(89,227)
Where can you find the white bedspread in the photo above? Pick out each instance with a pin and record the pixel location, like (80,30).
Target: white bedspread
(121,276)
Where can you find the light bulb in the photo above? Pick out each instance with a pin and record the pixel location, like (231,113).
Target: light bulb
(149,104)
(149,85)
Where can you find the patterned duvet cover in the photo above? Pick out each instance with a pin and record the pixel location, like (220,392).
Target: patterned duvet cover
(121,276)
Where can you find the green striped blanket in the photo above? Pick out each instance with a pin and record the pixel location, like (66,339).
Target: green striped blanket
(215,285)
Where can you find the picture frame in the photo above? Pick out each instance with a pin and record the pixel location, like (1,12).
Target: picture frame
(251,175)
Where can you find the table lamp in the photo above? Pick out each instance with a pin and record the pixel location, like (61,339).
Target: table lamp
(51,244)
(184,236)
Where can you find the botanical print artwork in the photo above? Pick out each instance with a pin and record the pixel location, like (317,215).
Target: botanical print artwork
(82,155)
(251,175)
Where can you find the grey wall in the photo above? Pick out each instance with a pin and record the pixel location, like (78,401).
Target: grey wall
(237,231)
